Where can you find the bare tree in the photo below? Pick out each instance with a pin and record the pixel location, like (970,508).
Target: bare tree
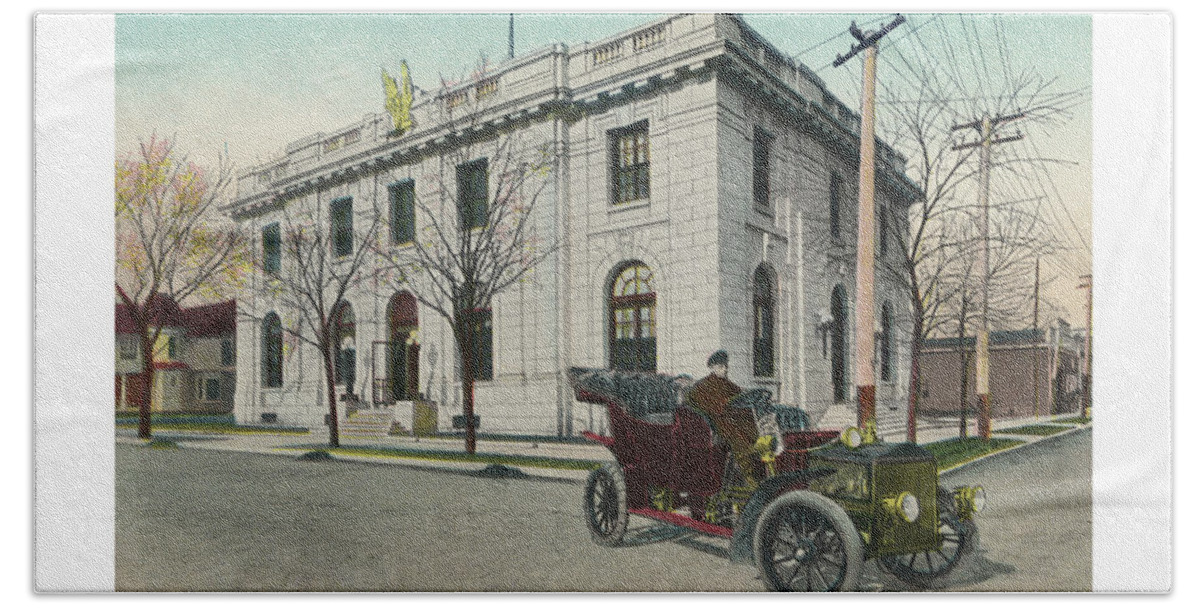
(318,266)
(475,235)
(917,121)
(171,244)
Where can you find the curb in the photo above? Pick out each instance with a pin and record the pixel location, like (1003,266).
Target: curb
(1039,439)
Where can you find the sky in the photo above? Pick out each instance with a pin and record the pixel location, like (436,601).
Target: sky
(250,83)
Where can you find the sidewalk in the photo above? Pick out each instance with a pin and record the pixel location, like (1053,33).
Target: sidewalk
(295,445)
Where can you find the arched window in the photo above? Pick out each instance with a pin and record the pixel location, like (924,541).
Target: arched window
(343,344)
(404,347)
(837,308)
(885,343)
(272,351)
(631,304)
(764,322)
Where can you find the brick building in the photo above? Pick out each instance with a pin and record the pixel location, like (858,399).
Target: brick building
(1020,365)
(703,191)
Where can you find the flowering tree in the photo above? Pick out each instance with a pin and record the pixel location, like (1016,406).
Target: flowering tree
(170,242)
(475,238)
(318,266)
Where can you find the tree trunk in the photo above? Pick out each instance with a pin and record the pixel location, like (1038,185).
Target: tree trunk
(914,376)
(147,387)
(963,360)
(330,391)
(466,341)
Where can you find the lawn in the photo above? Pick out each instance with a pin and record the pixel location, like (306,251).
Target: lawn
(1074,420)
(952,452)
(219,428)
(1043,430)
(544,462)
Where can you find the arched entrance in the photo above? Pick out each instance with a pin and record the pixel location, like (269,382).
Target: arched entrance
(404,347)
(343,343)
(837,334)
(631,304)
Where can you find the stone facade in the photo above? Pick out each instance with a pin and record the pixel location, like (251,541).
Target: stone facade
(706,88)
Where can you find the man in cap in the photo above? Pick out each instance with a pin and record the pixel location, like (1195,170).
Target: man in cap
(736,426)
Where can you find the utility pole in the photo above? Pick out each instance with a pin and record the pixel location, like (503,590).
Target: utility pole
(512,35)
(986,127)
(1085,404)
(1037,282)
(864,300)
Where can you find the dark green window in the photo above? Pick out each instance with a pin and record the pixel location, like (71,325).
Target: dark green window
(835,206)
(272,351)
(226,352)
(885,343)
(762,167)
(341,213)
(403,212)
(630,162)
(473,194)
(172,351)
(271,247)
(481,343)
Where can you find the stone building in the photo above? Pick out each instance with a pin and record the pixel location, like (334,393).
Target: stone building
(702,189)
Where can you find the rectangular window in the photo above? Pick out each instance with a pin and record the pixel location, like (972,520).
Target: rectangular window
(172,352)
(128,348)
(344,367)
(883,231)
(271,248)
(482,344)
(630,160)
(401,203)
(208,388)
(762,167)
(835,206)
(473,194)
(226,353)
(341,216)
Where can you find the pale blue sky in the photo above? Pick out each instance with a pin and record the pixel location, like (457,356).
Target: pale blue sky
(254,82)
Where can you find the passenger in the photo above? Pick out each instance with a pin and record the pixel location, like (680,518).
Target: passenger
(736,426)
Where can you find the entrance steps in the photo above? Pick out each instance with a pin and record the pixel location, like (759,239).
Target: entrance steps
(368,423)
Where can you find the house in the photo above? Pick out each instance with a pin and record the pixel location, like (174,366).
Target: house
(194,358)
(1033,372)
(702,189)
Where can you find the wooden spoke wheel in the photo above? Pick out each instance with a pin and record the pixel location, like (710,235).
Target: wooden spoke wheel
(957,540)
(605,508)
(806,542)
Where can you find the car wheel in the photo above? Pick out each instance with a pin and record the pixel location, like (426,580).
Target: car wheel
(605,508)
(806,542)
(957,541)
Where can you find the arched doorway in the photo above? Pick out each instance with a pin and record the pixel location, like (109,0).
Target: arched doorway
(343,344)
(631,304)
(404,347)
(837,332)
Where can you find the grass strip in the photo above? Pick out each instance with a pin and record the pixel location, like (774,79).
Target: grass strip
(952,452)
(545,462)
(1073,420)
(1042,430)
(226,429)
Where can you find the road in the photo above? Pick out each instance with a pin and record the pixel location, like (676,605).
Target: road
(197,520)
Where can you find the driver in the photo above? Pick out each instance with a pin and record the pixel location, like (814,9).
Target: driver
(736,426)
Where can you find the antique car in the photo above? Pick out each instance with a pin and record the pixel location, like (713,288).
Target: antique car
(828,499)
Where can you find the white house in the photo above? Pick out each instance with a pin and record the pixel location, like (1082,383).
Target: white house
(702,189)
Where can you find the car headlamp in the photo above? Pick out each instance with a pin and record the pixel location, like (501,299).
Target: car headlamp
(852,437)
(904,507)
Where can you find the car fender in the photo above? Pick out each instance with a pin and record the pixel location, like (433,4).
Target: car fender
(741,547)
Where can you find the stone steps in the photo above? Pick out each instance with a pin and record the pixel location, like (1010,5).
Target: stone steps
(367,423)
